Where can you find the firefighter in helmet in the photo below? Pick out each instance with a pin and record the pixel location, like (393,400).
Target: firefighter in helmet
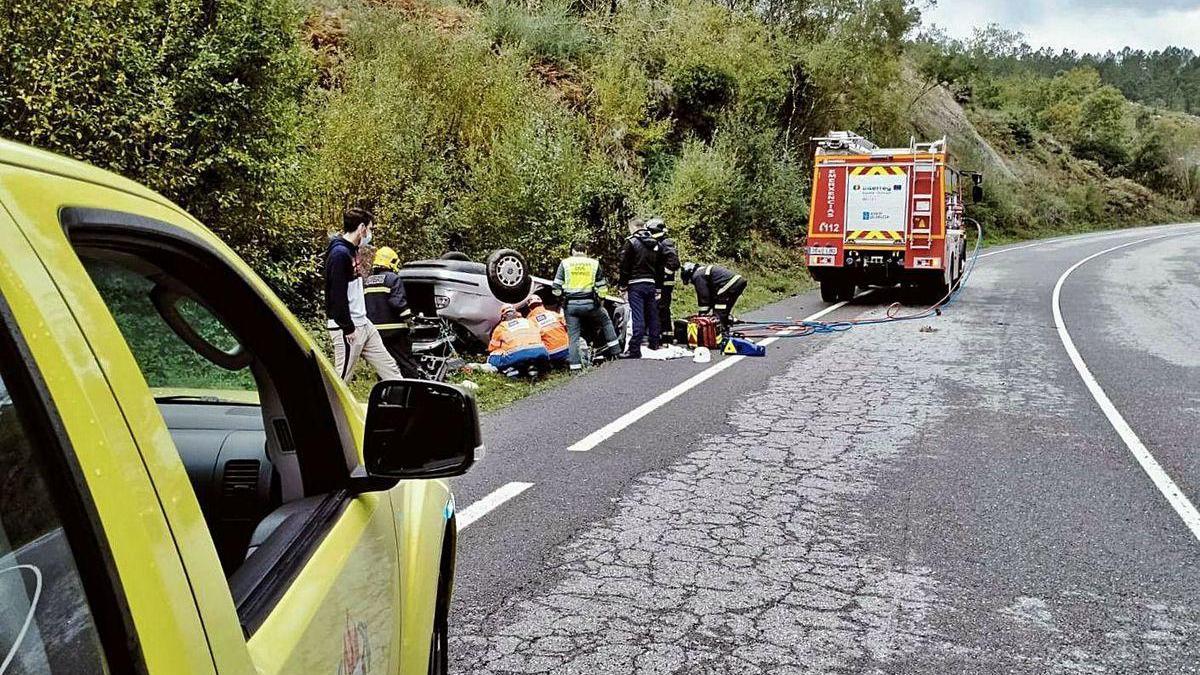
(658,229)
(717,289)
(387,308)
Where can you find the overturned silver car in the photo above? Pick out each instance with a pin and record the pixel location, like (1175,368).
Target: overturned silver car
(469,294)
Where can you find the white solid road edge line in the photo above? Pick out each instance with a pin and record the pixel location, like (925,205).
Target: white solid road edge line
(489,503)
(1090,237)
(1162,481)
(614,427)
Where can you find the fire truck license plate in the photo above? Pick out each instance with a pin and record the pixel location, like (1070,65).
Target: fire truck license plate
(815,260)
(822,250)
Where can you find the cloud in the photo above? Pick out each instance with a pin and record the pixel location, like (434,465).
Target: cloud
(1147,6)
(1082,25)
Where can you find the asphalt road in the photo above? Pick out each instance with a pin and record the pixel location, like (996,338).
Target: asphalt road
(934,496)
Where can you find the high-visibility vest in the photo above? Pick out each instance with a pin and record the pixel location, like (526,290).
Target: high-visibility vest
(579,276)
(553,328)
(513,335)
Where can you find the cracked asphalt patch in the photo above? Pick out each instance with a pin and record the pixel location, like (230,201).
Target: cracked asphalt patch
(891,502)
(747,555)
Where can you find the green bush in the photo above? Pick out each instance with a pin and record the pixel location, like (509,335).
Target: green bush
(704,202)
(550,33)
(200,101)
(444,137)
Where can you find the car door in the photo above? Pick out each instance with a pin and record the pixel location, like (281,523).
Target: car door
(90,579)
(328,600)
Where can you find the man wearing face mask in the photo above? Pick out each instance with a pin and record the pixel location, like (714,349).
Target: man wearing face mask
(351,333)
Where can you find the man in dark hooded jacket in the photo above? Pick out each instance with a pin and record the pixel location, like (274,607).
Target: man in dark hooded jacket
(670,255)
(351,332)
(641,275)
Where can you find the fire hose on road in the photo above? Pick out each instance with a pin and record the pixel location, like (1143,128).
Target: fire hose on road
(791,328)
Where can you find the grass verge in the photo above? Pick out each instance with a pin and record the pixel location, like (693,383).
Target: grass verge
(773,272)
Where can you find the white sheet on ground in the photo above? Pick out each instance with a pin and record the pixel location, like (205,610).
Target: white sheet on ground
(666,353)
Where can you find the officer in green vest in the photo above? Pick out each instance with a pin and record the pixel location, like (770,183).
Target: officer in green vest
(579,284)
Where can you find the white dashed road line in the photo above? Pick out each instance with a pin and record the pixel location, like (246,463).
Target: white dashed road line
(1153,469)
(616,426)
(507,491)
(484,506)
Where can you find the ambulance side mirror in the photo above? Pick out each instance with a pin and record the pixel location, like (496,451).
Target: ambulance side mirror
(420,429)
(977,193)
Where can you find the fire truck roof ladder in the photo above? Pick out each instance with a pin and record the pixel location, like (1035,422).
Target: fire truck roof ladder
(924,186)
(932,147)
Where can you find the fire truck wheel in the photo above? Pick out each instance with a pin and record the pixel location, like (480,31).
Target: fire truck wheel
(829,291)
(937,290)
(846,291)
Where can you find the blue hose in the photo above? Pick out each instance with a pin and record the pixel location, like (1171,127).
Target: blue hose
(791,328)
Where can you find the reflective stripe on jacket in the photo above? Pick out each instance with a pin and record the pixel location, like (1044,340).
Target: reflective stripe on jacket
(579,278)
(553,328)
(514,334)
(712,282)
(387,306)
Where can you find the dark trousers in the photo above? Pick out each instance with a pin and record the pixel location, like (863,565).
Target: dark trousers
(587,315)
(643,309)
(723,306)
(399,346)
(666,328)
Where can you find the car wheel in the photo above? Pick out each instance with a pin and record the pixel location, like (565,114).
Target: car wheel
(508,275)
(455,255)
(439,640)
(439,653)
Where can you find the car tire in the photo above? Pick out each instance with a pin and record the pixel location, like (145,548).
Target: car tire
(937,290)
(508,275)
(455,255)
(439,654)
(439,639)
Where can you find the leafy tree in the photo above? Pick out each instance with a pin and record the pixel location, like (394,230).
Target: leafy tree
(198,100)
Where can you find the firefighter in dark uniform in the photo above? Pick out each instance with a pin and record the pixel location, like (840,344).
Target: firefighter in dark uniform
(717,289)
(670,255)
(387,308)
(641,277)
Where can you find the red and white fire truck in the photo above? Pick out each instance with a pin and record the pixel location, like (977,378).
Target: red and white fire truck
(885,216)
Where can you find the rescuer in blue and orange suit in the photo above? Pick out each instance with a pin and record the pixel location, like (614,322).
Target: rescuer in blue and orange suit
(641,276)
(516,345)
(658,228)
(553,328)
(387,308)
(717,289)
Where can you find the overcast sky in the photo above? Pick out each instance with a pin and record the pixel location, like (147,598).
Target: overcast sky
(1083,25)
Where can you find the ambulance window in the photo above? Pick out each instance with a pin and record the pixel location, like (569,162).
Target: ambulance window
(244,399)
(169,364)
(46,621)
